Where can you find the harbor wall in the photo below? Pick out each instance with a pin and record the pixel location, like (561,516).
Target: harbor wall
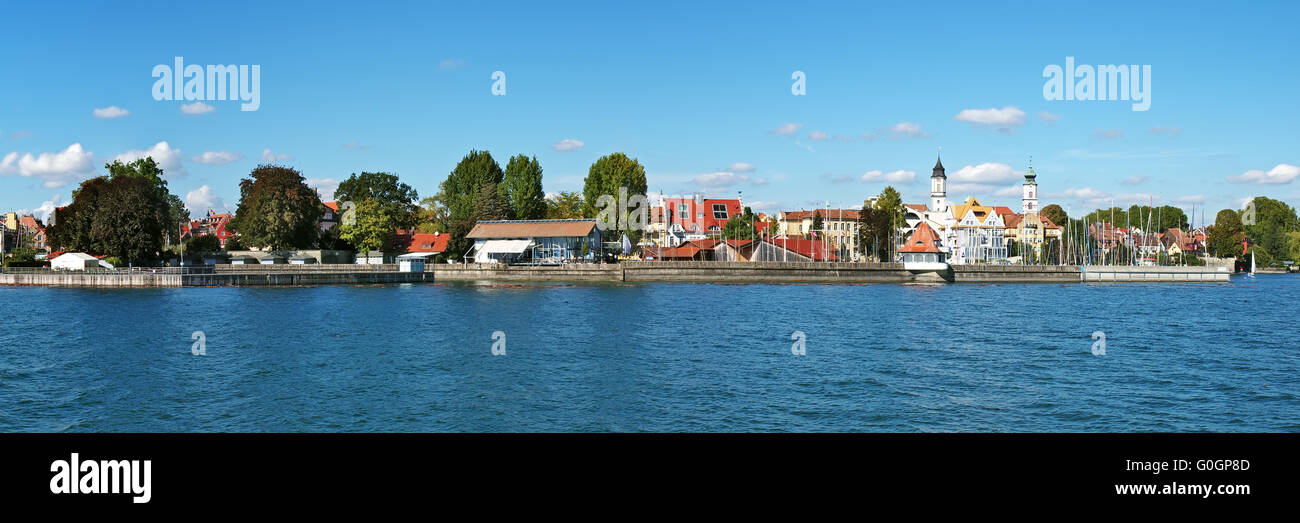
(712,272)
(1105,273)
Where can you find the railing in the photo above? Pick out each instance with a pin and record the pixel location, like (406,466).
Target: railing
(103,270)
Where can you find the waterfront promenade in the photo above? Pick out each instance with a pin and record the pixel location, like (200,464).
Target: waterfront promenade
(703,272)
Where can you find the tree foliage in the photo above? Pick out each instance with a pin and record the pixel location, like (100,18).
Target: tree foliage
(604,178)
(523,186)
(127,214)
(877,225)
(564,205)
(277,209)
(460,193)
(394,198)
(1273,220)
(374,228)
(381,205)
(1055,214)
(1225,236)
(204,243)
(741,227)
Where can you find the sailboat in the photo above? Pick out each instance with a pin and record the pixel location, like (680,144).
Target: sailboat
(1252,263)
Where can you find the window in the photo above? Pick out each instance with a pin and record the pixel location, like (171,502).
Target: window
(682,212)
(719,211)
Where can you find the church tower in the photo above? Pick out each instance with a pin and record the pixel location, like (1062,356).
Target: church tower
(1029,193)
(938,188)
(1030,232)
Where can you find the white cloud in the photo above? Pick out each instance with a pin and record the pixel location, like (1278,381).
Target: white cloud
(201,200)
(324,186)
(720,179)
(1049,117)
(899,176)
(1004,117)
(988,172)
(42,213)
(450,64)
(567,144)
(1134,180)
(111,111)
(54,169)
(270,157)
(1283,173)
(197,108)
(786,129)
(908,129)
(167,158)
(818,136)
(217,158)
(740,167)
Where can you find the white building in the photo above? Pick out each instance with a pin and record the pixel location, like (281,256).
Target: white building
(75,261)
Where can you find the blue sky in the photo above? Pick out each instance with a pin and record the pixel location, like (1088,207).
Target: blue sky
(699,92)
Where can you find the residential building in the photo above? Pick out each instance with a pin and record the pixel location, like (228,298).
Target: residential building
(974,234)
(839,227)
(213,223)
(535,241)
(674,221)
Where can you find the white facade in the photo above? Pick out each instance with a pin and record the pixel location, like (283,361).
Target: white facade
(74,261)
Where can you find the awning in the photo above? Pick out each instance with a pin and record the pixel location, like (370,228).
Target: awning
(505,246)
(417,255)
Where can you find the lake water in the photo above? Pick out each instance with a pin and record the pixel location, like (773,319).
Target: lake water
(655,357)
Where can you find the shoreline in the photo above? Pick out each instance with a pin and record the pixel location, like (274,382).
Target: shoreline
(632,272)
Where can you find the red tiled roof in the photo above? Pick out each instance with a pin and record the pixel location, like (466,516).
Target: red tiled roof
(815,249)
(832,214)
(334,206)
(916,206)
(999,209)
(923,239)
(685,252)
(423,242)
(532,229)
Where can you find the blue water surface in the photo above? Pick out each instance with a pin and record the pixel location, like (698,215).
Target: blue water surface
(655,357)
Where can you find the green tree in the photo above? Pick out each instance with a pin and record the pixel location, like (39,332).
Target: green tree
(433,215)
(393,198)
(818,224)
(373,228)
(878,225)
(564,205)
(1055,214)
(204,243)
(130,219)
(605,177)
(460,193)
(523,186)
(741,227)
(1293,246)
(1273,220)
(277,209)
(148,169)
(1225,236)
(492,203)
